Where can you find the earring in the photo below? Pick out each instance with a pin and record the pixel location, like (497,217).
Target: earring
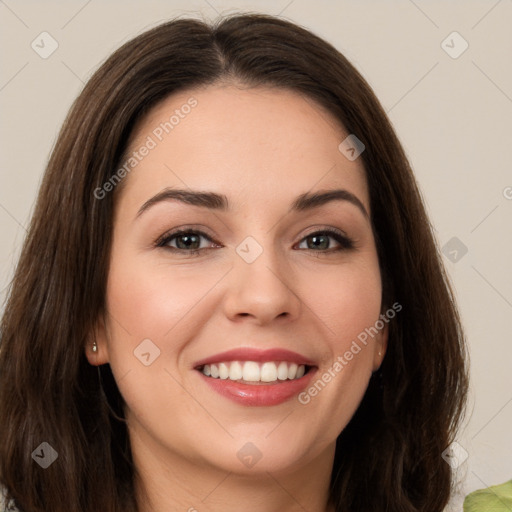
(94,347)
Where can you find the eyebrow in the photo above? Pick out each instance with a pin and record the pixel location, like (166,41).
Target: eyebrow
(219,202)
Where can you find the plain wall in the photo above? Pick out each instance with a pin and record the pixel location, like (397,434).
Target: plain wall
(453,116)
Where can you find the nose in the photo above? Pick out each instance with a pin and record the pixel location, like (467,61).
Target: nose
(262,290)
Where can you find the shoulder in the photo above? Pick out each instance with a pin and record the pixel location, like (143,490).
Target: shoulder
(6,505)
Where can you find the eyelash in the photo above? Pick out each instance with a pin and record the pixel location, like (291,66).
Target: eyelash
(345,242)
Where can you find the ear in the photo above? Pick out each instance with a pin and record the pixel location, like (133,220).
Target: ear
(98,338)
(380,344)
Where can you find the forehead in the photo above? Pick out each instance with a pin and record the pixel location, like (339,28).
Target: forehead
(258,145)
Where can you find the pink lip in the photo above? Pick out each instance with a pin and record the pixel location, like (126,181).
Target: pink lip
(251,354)
(260,394)
(267,394)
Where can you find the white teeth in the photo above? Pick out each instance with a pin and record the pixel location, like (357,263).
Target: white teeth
(252,371)
(268,372)
(282,371)
(235,372)
(223,371)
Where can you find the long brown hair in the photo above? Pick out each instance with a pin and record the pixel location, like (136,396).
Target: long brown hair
(389,456)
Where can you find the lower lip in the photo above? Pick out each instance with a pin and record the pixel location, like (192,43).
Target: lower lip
(273,393)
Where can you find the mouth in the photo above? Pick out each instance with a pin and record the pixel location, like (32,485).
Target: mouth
(256,378)
(254,373)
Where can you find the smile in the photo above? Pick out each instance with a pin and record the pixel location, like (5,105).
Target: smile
(254,377)
(252,371)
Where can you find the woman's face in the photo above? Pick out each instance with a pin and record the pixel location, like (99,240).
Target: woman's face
(267,294)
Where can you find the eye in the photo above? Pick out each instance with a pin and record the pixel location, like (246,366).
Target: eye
(187,240)
(320,241)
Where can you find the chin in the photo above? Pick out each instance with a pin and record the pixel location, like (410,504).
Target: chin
(253,455)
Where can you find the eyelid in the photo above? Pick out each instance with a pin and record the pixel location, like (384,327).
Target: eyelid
(160,241)
(323,229)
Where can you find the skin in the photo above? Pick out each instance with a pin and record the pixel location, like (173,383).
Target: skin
(262,148)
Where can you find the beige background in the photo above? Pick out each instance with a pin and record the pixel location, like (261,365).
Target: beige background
(452,115)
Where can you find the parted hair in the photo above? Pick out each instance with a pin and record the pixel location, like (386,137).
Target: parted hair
(389,457)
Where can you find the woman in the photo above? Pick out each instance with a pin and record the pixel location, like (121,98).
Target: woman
(229,291)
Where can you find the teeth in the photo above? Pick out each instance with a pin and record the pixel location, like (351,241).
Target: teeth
(251,371)
(292,371)
(268,372)
(282,371)
(223,371)
(235,371)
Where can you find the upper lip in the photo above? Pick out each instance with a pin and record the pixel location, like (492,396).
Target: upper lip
(258,355)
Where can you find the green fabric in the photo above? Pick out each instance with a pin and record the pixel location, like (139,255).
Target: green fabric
(493,499)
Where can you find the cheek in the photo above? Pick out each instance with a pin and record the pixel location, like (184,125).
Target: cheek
(347,300)
(149,300)
(148,307)
(348,303)
(152,301)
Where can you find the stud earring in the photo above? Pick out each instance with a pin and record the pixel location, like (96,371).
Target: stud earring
(94,347)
